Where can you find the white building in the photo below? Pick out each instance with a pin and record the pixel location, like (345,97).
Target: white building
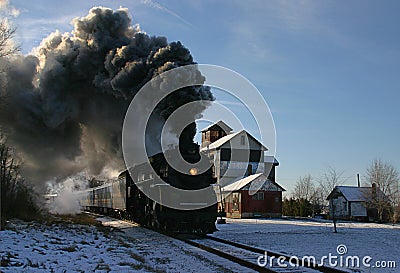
(239,163)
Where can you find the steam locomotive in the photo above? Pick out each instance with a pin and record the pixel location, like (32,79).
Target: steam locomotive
(124,197)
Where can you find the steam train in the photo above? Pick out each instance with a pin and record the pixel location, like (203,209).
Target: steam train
(124,197)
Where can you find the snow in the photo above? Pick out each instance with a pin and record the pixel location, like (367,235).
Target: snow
(120,247)
(257,182)
(238,185)
(307,237)
(354,194)
(221,124)
(125,247)
(34,247)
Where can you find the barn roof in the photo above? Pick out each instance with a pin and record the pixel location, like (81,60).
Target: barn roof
(351,194)
(357,194)
(217,144)
(260,179)
(222,141)
(221,124)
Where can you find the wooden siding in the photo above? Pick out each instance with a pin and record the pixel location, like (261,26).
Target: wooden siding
(242,205)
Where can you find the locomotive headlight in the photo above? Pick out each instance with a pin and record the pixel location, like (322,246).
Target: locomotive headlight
(193,171)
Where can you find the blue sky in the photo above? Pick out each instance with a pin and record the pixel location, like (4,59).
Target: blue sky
(328,70)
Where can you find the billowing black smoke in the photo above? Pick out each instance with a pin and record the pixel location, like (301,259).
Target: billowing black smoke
(63,109)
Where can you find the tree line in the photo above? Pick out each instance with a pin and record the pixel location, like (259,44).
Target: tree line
(17,197)
(308,198)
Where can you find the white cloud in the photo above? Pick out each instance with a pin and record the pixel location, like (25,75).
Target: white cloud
(3,3)
(156,5)
(8,10)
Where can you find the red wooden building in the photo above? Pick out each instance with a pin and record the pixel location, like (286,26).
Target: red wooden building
(253,196)
(247,180)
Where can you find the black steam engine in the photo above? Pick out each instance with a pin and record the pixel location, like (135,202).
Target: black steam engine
(126,197)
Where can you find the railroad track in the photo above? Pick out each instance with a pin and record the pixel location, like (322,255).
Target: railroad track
(248,256)
(245,255)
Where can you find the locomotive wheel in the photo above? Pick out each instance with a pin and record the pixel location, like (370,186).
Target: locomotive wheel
(152,220)
(166,225)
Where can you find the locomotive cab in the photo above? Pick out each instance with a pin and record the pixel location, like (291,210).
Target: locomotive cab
(156,215)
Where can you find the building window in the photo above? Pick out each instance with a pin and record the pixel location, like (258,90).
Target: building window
(242,140)
(258,196)
(214,133)
(277,199)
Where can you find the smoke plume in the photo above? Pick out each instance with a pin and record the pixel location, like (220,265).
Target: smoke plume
(63,107)
(66,201)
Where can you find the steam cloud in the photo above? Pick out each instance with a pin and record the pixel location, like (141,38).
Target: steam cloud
(67,201)
(63,108)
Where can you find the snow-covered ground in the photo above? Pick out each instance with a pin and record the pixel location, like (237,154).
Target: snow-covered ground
(306,237)
(123,247)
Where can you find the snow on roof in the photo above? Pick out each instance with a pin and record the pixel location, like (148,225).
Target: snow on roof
(225,139)
(271,159)
(221,124)
(353,194)
(221,141)
(260,178)
(239,184)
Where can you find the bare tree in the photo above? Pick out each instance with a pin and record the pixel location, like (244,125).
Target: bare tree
(7,167)
(329,180)
(17,198)
(384,196)
(396,207)
(7,33)
(306,195)
(8,176)
(318,199)
(304,188)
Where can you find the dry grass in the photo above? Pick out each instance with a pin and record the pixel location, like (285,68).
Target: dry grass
(79,219)
(82,219)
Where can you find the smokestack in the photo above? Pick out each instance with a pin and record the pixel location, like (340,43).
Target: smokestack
(358,180)
(63,108)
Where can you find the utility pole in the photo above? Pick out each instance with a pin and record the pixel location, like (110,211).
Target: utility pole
(334,218)
(333,198)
